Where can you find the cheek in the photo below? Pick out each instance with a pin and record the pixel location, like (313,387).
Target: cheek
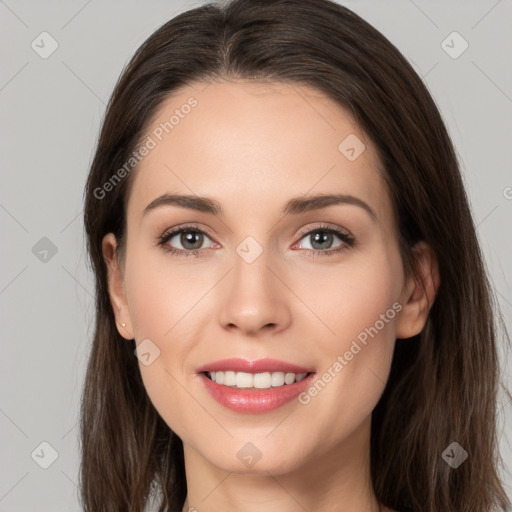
(159,292)
(363,302)
(353,297)
(359,308)
(165,307)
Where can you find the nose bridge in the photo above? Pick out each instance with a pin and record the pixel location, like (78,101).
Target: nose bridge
(254,296)
(251,266)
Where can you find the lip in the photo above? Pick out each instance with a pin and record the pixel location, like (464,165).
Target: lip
(255,401)
(259,366)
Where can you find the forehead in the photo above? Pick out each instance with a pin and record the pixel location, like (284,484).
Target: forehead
(247,143)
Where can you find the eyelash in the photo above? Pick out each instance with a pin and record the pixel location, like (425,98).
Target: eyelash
(348,240)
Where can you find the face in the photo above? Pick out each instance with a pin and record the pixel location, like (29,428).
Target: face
(271,274)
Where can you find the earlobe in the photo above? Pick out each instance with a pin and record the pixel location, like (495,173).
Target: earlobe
(116,287)
(420,292)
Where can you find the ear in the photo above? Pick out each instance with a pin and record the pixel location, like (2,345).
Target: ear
(116,287)
(419,292)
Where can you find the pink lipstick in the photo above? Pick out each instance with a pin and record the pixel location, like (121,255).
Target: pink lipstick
(254,386)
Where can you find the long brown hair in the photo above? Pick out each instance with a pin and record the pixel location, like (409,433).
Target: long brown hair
(444,382)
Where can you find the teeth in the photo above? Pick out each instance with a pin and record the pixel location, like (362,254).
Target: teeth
(264,380)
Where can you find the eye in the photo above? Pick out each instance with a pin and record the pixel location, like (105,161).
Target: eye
(190,238)
(322,237)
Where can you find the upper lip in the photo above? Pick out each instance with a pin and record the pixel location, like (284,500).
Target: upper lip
(258,366)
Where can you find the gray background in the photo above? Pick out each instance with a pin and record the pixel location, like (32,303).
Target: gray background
(51,111)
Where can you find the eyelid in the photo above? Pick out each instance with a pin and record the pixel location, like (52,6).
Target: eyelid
(324,227)
(186,227)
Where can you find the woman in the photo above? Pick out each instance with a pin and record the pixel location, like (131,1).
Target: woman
(256,367)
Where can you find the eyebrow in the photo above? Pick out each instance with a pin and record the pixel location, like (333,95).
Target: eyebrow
(294,206)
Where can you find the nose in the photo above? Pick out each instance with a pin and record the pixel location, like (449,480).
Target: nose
(254,298)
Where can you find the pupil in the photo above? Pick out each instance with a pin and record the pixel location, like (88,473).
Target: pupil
(321,238)
(187,237)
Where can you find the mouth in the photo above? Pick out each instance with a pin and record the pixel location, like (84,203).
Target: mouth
(254,393)
(256,386)
(263,380)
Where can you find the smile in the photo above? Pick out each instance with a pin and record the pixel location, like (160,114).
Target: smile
(244,395)
(263,380)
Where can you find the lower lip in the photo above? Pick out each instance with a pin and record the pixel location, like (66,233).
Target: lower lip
(255,400)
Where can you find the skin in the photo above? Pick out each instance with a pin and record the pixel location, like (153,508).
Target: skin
(252,146)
